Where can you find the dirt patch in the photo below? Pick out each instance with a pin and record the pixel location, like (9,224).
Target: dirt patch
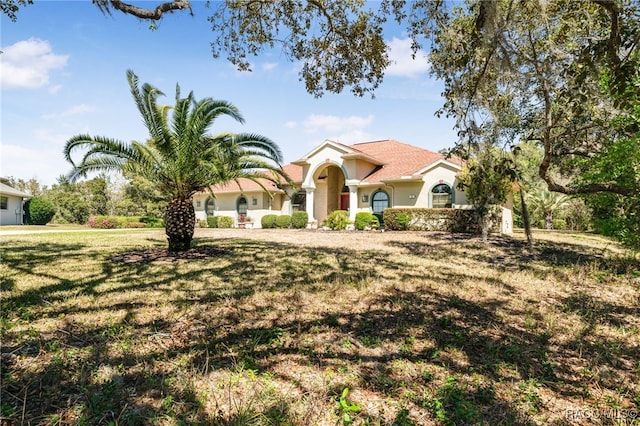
(164,255)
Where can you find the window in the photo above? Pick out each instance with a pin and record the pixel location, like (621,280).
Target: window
(4,203)
(299,201)
(379,201)
(242,205)
(441,196)
(210,207)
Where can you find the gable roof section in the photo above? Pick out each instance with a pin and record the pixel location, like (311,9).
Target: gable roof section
(400,159)
(335,145)
(348,153)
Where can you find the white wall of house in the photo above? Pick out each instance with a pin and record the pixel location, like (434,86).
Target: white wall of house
(259,205)
(13,214)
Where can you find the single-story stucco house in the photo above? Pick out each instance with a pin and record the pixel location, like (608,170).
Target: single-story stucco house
(369,176)
(11,204)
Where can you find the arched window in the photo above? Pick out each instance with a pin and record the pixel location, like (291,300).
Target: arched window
(210,207)
(242,205)
(441,196)
(379,201)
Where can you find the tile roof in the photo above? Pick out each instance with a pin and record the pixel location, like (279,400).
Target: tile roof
(400,159)
(294,172)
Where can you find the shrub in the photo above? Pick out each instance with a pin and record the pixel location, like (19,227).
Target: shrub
(283,221)
(111,222)
(299,220)
(203,224)
(403,220)
(212,221)
(225,221)
(559,224)
(39,211)
(337,220)
(421,219)
(152,222)
(105,222)
(135,225)
(366,220)
(269,221)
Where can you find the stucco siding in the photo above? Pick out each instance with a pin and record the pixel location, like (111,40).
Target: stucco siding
(8,216)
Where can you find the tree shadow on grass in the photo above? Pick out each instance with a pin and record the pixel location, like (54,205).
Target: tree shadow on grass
(130,367)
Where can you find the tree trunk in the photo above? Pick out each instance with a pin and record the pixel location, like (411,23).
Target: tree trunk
(179,223)
(548,220)
(525,218)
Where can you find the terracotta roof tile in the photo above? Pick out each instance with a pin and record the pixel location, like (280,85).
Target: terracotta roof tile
(400,159)
(243,185)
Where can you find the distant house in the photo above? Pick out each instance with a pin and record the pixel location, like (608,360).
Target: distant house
(368,176)
(11,204)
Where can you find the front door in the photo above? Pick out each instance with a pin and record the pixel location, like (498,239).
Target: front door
(344,201)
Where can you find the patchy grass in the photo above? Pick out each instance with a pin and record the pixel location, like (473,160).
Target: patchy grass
(266,327)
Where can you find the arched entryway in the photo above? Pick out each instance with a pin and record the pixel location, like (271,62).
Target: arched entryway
(330,192)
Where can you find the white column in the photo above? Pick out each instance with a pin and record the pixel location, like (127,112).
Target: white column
(353,202)
(310,203)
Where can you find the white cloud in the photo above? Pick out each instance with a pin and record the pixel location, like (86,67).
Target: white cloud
(402,62)
(43,164)
(333,123)
(345,130)
(27,64)
(74,110)
(55,89)
(290,124)
(269,66)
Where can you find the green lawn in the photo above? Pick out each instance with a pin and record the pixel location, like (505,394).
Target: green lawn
(272,327)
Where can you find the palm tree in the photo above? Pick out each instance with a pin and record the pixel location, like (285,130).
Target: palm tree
(180,157)
(546,203)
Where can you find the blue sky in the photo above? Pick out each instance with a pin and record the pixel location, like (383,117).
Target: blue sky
(63,72)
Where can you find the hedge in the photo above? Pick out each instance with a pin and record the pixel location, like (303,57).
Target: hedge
(268,221)
(111,222)
(337,220)
(283,221)
(212,221)
(225,221)
(366,220)
(39,211)
(299,220)
(420,219)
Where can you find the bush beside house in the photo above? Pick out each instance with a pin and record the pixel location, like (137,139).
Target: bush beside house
(39,211)
(283,221)
(299,220)
(337,220)
(366,220)
(225,222)
(268,221)
(419,219)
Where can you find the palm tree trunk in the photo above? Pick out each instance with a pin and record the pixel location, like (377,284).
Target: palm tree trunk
(179,222)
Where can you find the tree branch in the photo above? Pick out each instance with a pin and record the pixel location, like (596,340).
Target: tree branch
(142,13)
(613,42)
